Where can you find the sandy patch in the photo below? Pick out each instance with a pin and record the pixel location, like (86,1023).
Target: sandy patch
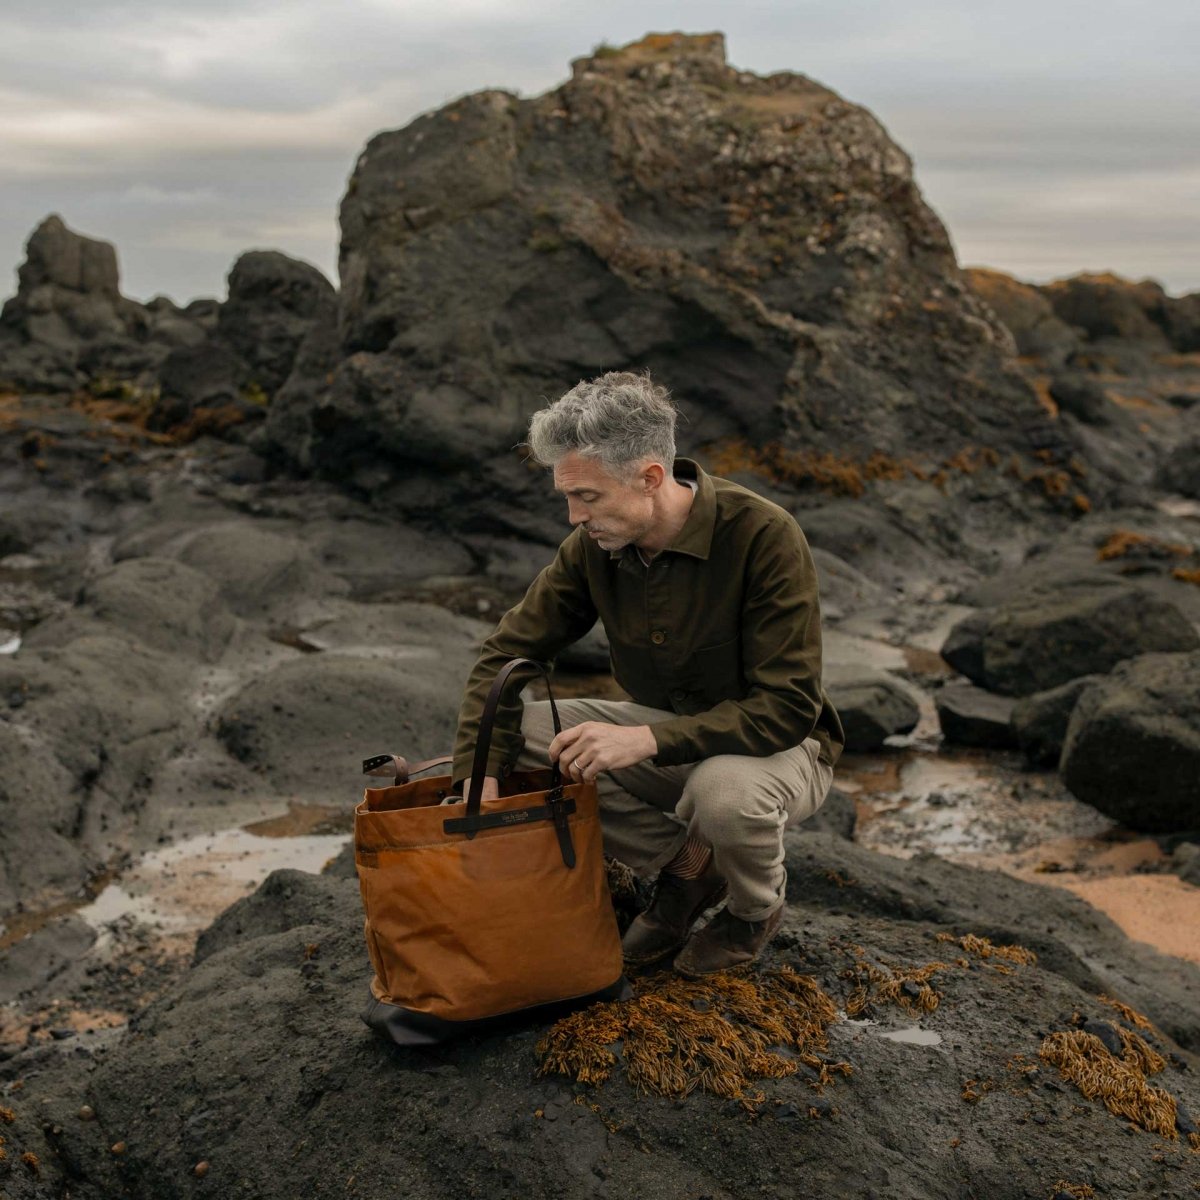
(1161,910)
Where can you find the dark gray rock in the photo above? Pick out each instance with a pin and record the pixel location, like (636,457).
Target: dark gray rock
(43,957)
(291,722)
(1106,307)
(377,557)
(274,983)
(168,605)
(209,375)
(870,540)
(608,211)
(1180,471)
(873,705)
(1078,624)
(1133,744)
(1070,937)
(99,712)
(1040,721)
(1028,315)
(258,572)
(969,716)
(1190,872)
(1082,397)
(844,589)
(963,647)
(838,815)
(273,303)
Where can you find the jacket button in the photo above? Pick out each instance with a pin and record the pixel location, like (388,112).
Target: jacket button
(658,637)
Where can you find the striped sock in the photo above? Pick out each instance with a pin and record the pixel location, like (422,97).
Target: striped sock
(692,860)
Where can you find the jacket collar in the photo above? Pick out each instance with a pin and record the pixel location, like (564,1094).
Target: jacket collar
(695,538)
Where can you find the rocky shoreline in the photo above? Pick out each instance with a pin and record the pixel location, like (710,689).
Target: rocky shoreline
(246,542)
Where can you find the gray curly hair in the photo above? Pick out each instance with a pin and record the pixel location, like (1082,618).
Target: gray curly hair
(620,419)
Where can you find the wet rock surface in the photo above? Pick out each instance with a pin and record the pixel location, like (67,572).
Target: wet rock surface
(275,983)
(1133,743)
(970,716)
(1040,721)
(1077,625)
(873,706)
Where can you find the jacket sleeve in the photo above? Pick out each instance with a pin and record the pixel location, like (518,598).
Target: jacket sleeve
(556,611)
(781,660)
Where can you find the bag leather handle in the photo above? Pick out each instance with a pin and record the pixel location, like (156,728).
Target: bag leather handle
(484,744)
(395,765)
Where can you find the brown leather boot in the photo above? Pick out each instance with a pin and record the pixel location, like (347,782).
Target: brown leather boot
(664,926)
(726,942)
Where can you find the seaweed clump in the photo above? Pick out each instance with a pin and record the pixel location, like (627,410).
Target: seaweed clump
(717,1035)
(1119,1081)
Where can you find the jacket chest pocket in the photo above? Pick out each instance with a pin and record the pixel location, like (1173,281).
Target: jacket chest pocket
(714,673)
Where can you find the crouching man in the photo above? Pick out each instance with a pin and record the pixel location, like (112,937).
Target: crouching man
(708,595)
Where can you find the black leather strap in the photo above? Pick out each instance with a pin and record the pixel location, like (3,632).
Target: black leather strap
(484,743)
(556,808)
(514,816)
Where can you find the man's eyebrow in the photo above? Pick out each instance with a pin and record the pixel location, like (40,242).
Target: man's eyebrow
(577,491)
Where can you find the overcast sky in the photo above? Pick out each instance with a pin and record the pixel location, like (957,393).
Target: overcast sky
(1051,136)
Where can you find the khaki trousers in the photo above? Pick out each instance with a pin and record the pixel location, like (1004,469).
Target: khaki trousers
(737,804)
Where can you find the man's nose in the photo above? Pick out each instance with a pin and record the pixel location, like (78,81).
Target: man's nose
(576,513)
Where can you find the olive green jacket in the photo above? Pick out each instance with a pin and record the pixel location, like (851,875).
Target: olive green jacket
(723,629)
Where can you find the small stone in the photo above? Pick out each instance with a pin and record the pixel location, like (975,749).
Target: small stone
(119,1147)
(87,1113)
(1107,1034)
(61,1033)
(200,1169)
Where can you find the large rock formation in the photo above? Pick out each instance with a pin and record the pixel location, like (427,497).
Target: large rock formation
(68,327)
(758,243)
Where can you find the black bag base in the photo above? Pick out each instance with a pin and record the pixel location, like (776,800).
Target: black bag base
(405,1027)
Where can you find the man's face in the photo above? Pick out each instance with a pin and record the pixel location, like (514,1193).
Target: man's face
(613,513)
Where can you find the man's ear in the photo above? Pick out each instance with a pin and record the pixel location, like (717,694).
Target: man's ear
(652,477)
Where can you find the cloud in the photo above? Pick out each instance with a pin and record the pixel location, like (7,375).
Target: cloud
(1043,131)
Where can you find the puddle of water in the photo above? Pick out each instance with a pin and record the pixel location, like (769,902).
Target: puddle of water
(182,888)
(303,819)
(989,809)
(970,808)
(914,1035)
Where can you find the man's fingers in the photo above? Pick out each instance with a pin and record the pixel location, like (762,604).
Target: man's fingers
(563,741)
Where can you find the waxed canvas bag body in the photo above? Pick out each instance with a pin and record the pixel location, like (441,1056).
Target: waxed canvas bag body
(479,912)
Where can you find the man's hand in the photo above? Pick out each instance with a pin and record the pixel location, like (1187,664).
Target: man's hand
(583,751)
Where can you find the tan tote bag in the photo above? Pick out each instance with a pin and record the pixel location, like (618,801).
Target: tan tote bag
(476,911)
